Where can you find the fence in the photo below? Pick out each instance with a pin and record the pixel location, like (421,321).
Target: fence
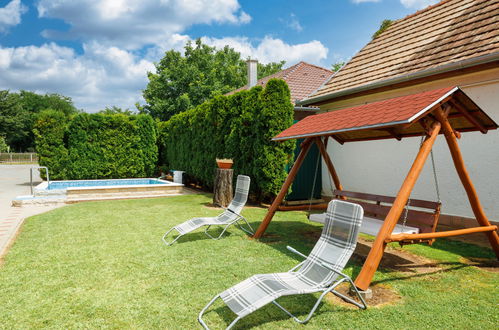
(13,157)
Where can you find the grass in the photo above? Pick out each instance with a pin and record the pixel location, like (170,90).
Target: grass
(103,265)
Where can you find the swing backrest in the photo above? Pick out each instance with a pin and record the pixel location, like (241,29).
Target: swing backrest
(422,214)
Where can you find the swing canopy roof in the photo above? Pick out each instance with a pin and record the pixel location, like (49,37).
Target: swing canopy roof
(394,118)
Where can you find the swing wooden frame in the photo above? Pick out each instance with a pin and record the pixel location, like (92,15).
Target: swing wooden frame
(449,113)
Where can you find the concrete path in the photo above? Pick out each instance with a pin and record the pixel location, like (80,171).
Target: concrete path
(14,181)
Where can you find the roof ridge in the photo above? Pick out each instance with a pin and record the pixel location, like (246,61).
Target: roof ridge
(318,67)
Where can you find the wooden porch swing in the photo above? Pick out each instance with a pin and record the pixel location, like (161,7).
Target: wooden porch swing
(448,110)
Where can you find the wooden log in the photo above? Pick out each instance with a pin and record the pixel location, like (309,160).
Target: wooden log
(457,158)
(222,191)
(372,262)
(448,233)
(305,147)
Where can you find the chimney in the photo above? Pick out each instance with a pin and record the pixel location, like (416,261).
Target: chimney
(252,72)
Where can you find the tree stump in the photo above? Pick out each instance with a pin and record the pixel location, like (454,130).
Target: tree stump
(223,187)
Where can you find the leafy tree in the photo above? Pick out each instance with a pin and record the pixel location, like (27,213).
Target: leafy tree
(12,117)
(182,82)
(116,110)
(384,25)
(19,111)
(336,66)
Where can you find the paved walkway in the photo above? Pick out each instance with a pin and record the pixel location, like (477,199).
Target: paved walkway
(14,181)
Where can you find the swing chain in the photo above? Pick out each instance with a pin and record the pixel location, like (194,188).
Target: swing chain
(313,184)
(435,176)
(437,189)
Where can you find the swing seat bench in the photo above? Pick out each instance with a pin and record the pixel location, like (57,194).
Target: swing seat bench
(422,215)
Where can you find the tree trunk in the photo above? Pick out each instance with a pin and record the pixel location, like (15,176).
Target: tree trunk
(223,187)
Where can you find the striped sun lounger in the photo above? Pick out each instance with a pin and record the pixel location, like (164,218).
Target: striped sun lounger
(231,215)
(319,272)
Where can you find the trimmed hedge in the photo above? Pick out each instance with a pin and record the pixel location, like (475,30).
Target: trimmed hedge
(97,146)
(238,126)
(49,141)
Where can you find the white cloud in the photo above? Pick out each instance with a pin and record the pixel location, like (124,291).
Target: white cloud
(272,50)
(132,24)
(10,15)
(418,4)
(292,22)
(121,39)
(102,76)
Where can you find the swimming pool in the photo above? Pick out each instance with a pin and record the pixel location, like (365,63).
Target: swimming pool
(86,190)
(58,185)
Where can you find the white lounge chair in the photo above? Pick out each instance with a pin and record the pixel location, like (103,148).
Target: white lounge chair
(319,272)
(231,215)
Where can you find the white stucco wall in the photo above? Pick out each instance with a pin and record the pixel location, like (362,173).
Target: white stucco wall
(380,167)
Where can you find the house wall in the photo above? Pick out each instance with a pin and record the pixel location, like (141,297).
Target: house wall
(380,166)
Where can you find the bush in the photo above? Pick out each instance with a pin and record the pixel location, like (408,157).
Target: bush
(240,127)
(97,146)
(49,141)
(3,145)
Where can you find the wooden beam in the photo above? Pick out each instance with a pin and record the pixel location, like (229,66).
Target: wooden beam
(448,233)
(372,262)
(329,163)
(466,180)
(459,114)
(393,133)
(305,147)
(462,109)
(337,139)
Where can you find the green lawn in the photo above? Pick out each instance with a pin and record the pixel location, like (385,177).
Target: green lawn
(103,265)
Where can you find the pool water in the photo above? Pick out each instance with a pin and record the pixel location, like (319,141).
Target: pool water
(60,185)
(86,190)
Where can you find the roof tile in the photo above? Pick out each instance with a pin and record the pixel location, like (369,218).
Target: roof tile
(450,31)
(302,78)
(384,112)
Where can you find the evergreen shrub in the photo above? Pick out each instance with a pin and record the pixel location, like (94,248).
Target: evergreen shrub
(239,127)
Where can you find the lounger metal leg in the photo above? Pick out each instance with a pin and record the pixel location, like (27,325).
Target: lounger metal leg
(330,289)
(219,236)
(350,300)
(312,311)
(170,243)
(250,231)
(200,316)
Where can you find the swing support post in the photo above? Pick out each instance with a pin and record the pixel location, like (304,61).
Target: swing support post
(371,264)
(305,147)
(457,158)
(329,163)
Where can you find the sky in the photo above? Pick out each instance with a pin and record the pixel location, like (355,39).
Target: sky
(99,52)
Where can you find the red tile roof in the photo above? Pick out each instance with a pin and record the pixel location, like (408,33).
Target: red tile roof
(449,32)
(302,78)
(370,121)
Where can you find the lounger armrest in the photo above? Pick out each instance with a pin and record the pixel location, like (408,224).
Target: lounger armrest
(297,252)
(227,209)
(330,267)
